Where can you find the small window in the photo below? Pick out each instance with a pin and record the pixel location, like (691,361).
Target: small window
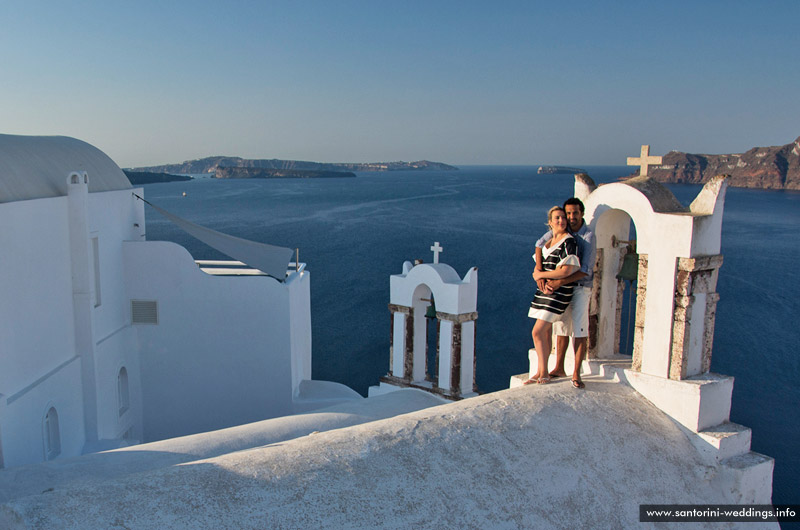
(52,435)
(123,397)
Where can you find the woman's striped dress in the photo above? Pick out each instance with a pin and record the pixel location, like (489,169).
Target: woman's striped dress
(550,307)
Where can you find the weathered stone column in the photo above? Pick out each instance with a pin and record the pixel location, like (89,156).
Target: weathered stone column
(694,315)
(391,341)
(620,292)
(638,325)
(457,362)
(401,354)
(594,307)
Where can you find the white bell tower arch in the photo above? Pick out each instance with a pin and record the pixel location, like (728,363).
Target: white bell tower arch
(411,294)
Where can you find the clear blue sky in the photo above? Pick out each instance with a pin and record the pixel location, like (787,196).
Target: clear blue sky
(500,82)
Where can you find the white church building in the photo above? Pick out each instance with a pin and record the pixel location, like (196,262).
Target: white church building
(108,339)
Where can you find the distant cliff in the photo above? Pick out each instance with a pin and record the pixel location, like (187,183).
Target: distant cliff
(776,168)
(266,173)
(146,177)
(213,163)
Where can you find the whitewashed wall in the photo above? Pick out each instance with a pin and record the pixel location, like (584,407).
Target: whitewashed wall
(24,412)
(299,288)
(36,331)
(119,350)
(40,366)
(220,354)
(113,217)
(223,353)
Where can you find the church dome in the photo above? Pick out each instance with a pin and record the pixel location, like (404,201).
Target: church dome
(35,167)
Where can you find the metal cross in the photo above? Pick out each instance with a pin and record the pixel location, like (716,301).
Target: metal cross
(644,161)
(436,250)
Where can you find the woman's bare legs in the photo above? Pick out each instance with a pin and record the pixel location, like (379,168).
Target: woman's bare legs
(543,342)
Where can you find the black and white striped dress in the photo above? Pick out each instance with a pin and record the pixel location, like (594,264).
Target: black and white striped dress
(550,307)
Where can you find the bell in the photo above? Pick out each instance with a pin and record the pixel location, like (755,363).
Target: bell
(630,267)
(431,311)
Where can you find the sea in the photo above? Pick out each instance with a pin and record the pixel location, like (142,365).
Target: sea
(353,233)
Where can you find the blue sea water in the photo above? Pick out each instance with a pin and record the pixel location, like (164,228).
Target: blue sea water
(353,233)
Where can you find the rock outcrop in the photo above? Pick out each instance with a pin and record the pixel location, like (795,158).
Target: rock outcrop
(776,167)
(143,177)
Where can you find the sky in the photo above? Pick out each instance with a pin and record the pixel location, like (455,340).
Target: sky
(461,82)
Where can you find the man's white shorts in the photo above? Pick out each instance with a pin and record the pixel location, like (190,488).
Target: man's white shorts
(575,320)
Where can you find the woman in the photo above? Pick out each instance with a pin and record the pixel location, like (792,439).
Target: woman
(559,260)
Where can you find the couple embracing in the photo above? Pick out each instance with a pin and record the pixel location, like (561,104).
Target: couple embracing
(565,257)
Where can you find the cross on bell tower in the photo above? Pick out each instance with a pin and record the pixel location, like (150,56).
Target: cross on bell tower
(436,250)
(644,161)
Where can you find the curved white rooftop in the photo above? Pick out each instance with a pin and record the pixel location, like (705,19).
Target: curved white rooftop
(36,167)
(541,456)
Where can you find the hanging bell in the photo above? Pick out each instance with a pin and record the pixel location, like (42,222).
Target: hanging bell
(431,311)
(630,267)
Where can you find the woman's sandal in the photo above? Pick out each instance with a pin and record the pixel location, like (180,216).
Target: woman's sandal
(530,381)
(578,384)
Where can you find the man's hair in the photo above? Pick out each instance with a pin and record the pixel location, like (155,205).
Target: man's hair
(574,201)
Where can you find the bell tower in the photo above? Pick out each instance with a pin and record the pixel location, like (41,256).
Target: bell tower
(411,303)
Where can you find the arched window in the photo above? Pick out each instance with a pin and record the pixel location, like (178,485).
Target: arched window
(52,435)
(123,396)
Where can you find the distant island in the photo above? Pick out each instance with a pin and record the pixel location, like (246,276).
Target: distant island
(221,166)
(553,170)
(147,177)
(776,168)
(267,173)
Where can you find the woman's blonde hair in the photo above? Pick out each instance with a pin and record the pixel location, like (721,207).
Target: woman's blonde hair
(550,213)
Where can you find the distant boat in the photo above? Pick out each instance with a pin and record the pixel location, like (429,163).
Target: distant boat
(552,170)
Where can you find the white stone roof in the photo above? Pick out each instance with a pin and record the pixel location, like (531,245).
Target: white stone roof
(35,167)
(542,456)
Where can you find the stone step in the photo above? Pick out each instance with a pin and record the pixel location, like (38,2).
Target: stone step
(517,380)
(750,477)
(609,368)
(590,366)
(727,440)
(698,403)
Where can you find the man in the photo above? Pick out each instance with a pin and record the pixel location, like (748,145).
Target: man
(575,320)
